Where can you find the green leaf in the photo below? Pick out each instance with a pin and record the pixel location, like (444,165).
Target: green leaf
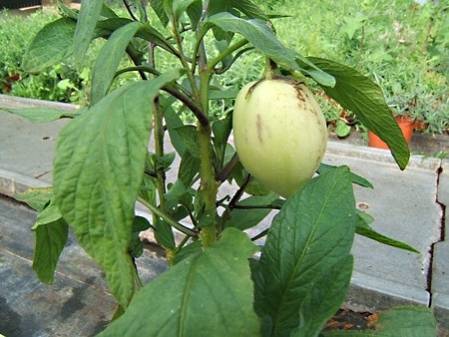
(178,194)
(163,163)
(358,93)
(363,228)
(98,171)
(109,59)
(215,283)
(313,231)
(356,179)
(188,169)
(247,218)
(180,7)
(158,8)
(399,322)
(51,45)
(342,129)
(136,246)
(85,28)
(51,236)
(262,37)
(191,249)
(217,94)
(42,115)
(323,301)
(249,8)
(222,129)
(36,198)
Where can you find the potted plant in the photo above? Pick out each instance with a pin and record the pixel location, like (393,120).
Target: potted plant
(405,118)
(215,286)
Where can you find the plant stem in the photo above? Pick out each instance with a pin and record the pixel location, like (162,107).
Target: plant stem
(208,185)
(158,135)
(172,90)
(234,200)
(224,174)
(128,8)
(257,207)
(168,219)
(260,235)
(183,59)
(227,52)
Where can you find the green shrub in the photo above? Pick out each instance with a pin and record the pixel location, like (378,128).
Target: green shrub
(400,44)
(62,83)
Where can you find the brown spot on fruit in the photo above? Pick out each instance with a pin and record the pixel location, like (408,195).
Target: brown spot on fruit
(259,128)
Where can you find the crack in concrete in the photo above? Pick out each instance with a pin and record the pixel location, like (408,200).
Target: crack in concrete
(442,228)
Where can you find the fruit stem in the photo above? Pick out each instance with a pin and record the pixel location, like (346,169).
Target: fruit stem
(269,69)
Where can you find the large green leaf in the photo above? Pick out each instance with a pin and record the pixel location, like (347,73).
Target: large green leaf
(51,45)
(85,28)
(42,115)
(358,93)
(51,236)
(98,171)
(325,298)
(262,37)
(313,231)
(204,295)
(363,228)
(399,322)
(109,59)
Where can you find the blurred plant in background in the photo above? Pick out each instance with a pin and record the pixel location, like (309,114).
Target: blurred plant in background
(400,44)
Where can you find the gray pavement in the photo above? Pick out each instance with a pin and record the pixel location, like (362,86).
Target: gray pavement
(404,205)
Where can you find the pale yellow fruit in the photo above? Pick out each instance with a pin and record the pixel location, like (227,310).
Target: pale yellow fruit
(280,133)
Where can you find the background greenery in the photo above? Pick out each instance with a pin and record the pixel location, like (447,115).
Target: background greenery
(403,46)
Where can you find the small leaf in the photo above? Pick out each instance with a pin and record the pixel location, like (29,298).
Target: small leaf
(179,298)
(217,94)
(248,218)
(51,236)
(136,246)
(342,129)
(188,169)
(222,129)
(356,179)
(51,45)
(41,115)
(399,322)
(109,59)
(98,172)
(180,7)
(191,249)
(363,228)
(158,8)
(358,93)
(36,198)
(87,20)
(313,231)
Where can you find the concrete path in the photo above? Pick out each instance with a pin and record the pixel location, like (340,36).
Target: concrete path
(404,204)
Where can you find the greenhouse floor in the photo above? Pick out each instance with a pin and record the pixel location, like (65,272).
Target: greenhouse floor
(408,206)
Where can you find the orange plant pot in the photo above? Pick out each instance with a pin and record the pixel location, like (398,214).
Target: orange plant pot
(407,126)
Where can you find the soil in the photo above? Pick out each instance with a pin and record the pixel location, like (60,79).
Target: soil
(351,320)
